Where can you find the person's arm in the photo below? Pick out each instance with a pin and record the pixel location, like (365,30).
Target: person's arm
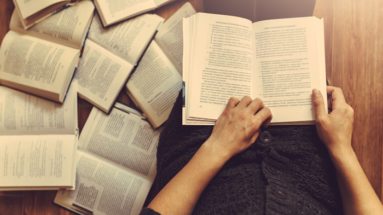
(236,130)
(335,129)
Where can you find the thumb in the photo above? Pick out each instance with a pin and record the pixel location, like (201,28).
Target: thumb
(318,104)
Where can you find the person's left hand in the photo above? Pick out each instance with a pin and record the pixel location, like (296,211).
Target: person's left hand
(238,127)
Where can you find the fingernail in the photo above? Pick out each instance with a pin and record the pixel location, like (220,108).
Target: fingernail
(316,92)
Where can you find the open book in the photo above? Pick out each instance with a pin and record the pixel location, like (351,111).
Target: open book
(43,59)
(32,12)
(116,11)
(279,61)
(156,82)
(116,164)
(110,55)
(38,140)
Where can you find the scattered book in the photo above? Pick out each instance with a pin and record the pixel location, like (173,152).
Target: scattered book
(116,164)
(38,141)
(112,12)
(110,55)
(279,61)
(68,27)
(42,61)
(155,84)
(32,12)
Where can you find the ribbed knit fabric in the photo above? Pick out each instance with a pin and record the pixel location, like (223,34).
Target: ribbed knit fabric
(287,171)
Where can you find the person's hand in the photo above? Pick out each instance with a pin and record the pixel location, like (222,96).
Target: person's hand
(238,127)
(334,128)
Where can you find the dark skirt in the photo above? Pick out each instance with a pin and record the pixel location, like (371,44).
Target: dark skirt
(287,171)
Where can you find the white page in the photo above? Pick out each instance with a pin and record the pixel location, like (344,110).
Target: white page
(169,36)
(101,75)
(68,27)
(123,138)
(222,51)
(104,188)
(155,85)
(24,114)
(128,39)
(289,64)
(37,161)
(39,66)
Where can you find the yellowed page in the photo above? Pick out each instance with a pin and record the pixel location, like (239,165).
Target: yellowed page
(117,10)
(123,138)
(220,64)
(28,7)
(104,188)
(37,161)
(290,62)
(128,39)
(24,114)
(169,36)
(155,85)
(101,76)
(36,66)
(68,27)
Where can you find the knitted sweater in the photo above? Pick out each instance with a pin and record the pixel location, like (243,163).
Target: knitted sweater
(287,171)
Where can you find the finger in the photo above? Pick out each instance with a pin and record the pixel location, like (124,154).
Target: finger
(254,137)
(244,102)
(261,117)
(337,96)
(256,105)
(318,104)
(232,103)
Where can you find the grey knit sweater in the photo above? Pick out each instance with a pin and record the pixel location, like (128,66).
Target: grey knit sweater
(287,171)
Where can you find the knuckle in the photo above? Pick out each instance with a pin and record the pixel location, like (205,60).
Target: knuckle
(258,101)
(256,123)
(350,111)
(322,120)
(268,112)
(233,100)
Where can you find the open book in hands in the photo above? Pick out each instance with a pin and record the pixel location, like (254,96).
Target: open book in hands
(279,61)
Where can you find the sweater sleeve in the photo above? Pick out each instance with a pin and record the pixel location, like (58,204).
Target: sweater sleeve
(148,211)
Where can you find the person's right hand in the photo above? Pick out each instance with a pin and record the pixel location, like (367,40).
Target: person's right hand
(334,128)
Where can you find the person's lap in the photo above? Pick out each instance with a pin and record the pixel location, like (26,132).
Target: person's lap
(287,169)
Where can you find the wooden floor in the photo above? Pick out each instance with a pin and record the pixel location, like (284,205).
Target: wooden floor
(354,52)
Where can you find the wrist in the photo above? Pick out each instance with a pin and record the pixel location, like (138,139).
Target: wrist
(216,153)
(341,152)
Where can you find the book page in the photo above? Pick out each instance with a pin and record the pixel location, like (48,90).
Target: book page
(28,8)
(37,66)
(68,27)
(24,114)
(289,64)
(101,75)
(220,64)
(169,36)
(155,85)
(104,188)
(128,39)
(118,10)
(123,138)
(37,161)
